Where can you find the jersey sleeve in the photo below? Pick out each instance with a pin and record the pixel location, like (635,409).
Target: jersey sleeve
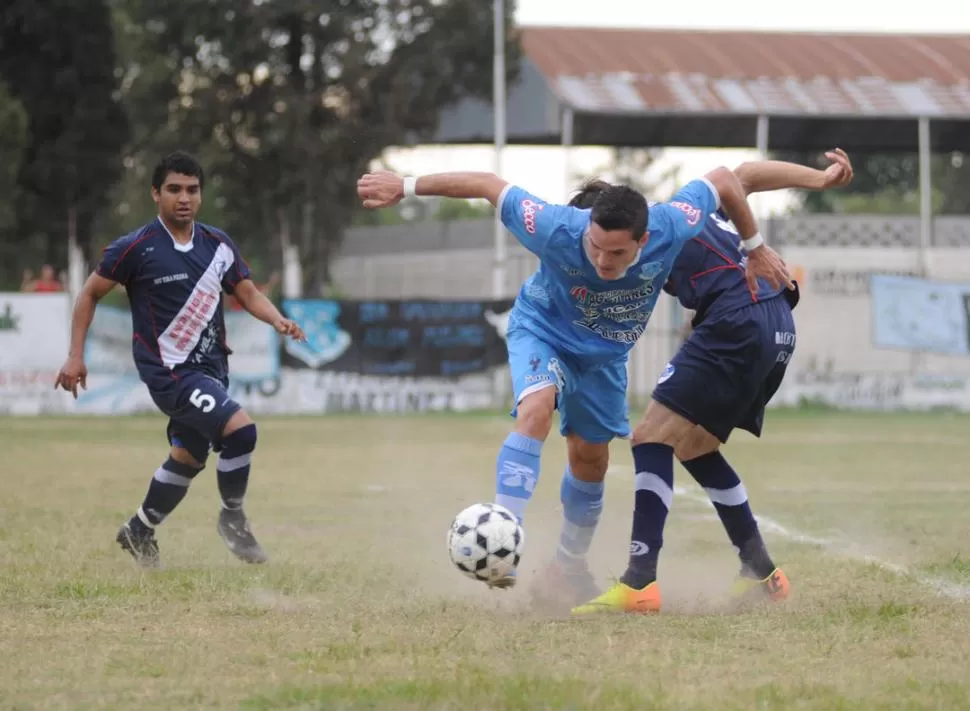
(684,216)
(239,269)
(119,260)
(534,222)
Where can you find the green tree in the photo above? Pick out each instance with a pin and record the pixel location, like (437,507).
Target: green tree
(301,96)
(58,61)
(13,143)
(148,94)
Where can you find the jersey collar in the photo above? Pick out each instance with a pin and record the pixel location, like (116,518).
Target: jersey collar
(179,247)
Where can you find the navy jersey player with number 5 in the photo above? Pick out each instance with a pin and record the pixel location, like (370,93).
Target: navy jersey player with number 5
(175,270)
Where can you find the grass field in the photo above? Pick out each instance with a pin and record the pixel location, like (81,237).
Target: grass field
(359,608)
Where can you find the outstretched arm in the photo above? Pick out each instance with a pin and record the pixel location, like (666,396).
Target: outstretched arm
(384,189)
(766,175)
(536,224)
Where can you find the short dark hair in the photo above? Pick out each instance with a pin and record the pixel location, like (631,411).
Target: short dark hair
(586,195)
(613,207)
(178,162)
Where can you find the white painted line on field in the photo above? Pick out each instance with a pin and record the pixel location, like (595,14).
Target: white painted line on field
(843,548)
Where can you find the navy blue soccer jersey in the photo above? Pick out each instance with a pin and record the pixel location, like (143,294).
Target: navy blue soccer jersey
(708,274)
(175,293)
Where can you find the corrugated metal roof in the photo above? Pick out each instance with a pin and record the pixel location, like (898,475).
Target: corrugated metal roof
(774,73)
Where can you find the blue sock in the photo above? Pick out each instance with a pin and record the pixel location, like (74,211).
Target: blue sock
(654,494)
(516,472)
(582,503)
(730,500)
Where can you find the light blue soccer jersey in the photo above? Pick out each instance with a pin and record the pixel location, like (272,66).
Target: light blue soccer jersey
(565,303)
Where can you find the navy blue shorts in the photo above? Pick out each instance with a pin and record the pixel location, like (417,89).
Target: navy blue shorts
(199,407)
(730,367)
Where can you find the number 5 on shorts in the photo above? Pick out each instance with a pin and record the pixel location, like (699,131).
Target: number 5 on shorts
(204,402)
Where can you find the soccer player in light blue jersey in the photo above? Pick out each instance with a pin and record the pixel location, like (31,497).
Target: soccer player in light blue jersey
(575,320)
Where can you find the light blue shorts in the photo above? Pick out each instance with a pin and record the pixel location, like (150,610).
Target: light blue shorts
(591,403)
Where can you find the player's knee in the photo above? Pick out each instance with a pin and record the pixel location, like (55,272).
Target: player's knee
(240,441)
(661,425)
(240,418)
(696,443)
(191,458)
(534,413)
(588,461)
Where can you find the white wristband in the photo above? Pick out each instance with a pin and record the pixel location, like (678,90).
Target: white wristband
(752,243)
(410,184)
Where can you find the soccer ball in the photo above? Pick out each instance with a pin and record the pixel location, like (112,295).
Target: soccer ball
(485,542)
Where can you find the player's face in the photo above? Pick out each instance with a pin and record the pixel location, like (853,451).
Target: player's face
(179,199)
(611,253)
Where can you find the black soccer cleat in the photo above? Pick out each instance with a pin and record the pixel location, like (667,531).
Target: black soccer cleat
(234,529)
(141,543)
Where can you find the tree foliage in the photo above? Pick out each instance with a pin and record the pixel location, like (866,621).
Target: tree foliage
(298,97)
(58,61)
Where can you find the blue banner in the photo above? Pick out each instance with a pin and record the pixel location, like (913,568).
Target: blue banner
(913,314)
(413,338)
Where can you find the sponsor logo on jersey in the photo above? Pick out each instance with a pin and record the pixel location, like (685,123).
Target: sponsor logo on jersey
(693,214)
(530,211)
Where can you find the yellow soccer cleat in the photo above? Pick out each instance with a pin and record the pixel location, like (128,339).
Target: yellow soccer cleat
(775,587)
(622,598)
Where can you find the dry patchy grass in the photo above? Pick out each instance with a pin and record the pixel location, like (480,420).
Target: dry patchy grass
(359,608)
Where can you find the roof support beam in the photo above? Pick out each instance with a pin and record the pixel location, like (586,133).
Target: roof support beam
(925,194)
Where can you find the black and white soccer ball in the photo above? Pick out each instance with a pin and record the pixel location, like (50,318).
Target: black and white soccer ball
(485,542)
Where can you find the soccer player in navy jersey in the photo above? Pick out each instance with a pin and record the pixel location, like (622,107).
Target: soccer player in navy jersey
(576,319)
(721,378)
(175,270)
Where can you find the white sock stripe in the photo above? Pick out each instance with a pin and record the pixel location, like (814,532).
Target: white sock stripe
(234,463)
(164,476)
(144,519)
(569,554)
(570,530)
(735,496)
(646,481)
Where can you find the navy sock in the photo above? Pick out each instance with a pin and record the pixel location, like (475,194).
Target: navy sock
(516,472)
(730,500)
(654,495)
(232,470)
(167,489)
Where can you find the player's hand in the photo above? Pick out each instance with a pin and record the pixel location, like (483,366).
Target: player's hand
(839,174)
(72,374)
(380,189)
(286,327)
(764,262)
